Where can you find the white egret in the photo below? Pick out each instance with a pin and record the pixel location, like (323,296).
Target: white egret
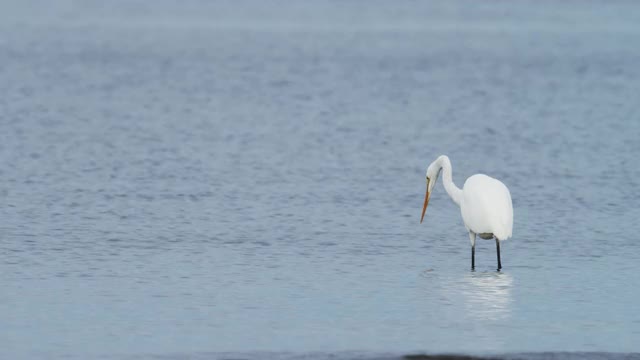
(485,204)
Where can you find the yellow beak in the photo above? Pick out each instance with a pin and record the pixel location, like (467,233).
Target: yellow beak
(426,202)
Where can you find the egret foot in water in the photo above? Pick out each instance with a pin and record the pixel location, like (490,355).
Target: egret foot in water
(498,251)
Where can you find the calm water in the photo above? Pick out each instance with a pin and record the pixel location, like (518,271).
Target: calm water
(222,179)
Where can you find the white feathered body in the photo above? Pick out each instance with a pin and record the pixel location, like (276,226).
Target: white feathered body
(486,207)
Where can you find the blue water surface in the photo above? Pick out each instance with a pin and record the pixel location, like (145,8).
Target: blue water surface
(229,179)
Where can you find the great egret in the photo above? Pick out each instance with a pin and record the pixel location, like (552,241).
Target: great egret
(485,204)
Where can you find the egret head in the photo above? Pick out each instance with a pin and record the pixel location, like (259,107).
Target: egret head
(433,171)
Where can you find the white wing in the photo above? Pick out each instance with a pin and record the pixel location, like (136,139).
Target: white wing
(486,206)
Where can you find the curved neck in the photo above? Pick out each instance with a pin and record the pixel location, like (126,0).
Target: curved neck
(447,180)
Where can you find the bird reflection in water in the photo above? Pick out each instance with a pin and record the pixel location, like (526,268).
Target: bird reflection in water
(488,295)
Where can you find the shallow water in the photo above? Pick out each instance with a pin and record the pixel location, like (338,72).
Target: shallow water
(213,178)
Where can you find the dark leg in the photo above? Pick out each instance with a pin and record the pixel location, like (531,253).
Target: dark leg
(498,250)
(473,257)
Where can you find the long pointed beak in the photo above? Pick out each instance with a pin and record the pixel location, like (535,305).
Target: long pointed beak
(426,202)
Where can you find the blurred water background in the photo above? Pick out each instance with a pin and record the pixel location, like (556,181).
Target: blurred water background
(210,179)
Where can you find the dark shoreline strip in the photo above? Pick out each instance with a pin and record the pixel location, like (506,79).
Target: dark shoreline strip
(445,357)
